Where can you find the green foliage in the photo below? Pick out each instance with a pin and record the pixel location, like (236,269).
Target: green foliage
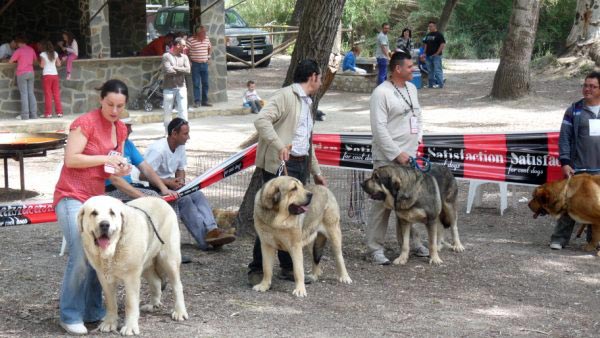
(262,12)
(476,29)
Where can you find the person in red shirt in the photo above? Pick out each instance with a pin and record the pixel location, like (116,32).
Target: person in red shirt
(88,159)
(158,46)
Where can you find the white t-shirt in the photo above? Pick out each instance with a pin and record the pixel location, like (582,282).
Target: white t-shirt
(595,110)
(49,66)
(163,160)
(5,51)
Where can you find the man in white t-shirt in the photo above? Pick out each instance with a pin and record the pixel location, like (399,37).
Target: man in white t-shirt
(397,131)
(167,157)
(7,49)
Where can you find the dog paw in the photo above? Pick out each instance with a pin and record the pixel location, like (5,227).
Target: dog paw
(458,248)
(435,261)
(299,292)
(312,277)
(179,315)
(401,260)
(150,307)
(345,279)
(108,325)
(130,330)
(261,287)
(589,247)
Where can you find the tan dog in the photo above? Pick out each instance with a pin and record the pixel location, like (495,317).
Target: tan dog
(288,216)
(123,242)
(578,196)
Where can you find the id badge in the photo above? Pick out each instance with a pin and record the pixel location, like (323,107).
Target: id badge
(414,125)
(594,127)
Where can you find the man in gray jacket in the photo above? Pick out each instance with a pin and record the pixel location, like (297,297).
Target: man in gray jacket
(396,127)
(176,66)
(579,147)
(284,129)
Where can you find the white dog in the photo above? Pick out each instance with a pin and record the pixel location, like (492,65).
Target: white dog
(123,242)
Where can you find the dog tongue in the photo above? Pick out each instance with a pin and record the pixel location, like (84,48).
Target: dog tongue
(304,208)
(103,242)
(536,215)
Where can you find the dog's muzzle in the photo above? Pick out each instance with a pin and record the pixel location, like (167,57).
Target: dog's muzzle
(296,209)
(104,240)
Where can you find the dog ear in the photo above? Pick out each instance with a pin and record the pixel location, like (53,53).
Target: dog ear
(80,215)
(270,195)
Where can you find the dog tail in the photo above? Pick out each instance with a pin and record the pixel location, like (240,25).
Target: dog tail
(318,247)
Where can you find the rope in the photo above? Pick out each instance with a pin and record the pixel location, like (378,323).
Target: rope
(413,161)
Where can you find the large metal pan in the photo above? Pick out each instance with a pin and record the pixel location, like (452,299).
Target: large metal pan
(31,142)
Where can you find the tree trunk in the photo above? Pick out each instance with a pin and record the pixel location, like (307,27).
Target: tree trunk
(512,78)
(317,31)
(586,28)
(297,14)
(446,13)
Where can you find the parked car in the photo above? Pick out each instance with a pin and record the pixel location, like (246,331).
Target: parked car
(238,36)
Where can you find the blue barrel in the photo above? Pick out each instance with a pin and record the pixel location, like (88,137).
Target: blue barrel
(416,80)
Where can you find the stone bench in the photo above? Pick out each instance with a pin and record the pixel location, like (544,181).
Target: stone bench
(354,83)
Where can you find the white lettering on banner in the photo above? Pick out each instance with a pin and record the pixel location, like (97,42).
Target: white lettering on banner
(452,165)
(29,209)
(10,221)
(528,159)
(459,154)
(530,170)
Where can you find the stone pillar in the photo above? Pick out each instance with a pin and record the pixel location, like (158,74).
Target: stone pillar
(97,30)
(214,21)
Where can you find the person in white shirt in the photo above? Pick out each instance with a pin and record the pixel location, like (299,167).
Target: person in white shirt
(251,98)
(7,49)
(70,47)
(167,157)
(397,131)
(49,61)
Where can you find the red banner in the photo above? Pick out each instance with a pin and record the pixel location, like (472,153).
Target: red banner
(524,158)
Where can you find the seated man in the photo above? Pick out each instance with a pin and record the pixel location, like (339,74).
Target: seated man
(349,64)
(167,157)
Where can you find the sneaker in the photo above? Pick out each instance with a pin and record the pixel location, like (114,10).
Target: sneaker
(556,246)
(74,329)
(421,251)
(254,277)
(289,276)
(380,259)
(59,114)
(196,104)
(47,116)
(68,76)
(218,237)
(185,259)
(206,104)
(435,86)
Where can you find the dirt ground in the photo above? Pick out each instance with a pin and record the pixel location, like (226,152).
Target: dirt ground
(507,282)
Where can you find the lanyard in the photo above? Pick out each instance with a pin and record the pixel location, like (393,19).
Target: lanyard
(409,101)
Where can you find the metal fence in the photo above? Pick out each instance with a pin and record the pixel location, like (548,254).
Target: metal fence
(229,192)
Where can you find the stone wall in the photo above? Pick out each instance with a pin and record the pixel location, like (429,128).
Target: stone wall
(79,94)
(214,21)
(354,83)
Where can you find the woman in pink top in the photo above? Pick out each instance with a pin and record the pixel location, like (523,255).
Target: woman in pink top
(25,57)
(69,46)
(92,137)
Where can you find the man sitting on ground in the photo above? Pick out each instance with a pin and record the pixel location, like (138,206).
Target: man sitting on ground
(167,157)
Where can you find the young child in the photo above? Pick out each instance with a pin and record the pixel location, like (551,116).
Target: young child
(70,47)
(251,98)
(49,61)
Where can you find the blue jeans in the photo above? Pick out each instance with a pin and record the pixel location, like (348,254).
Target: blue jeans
(200,74)
(197,216)
(382,64)
(434,66)
(177,97)
(81,292)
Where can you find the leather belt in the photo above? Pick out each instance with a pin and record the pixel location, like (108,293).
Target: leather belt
(297,158)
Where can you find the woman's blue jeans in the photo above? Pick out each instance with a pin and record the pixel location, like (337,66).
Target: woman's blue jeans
(81,292)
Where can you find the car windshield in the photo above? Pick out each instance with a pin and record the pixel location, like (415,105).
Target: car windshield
(233,20)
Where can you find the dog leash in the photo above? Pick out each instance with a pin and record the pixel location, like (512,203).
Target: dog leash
(151,223)
(282,169)
(577,171)
(413,163)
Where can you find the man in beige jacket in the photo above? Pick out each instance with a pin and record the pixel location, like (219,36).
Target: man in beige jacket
(397,131)
(284,128)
